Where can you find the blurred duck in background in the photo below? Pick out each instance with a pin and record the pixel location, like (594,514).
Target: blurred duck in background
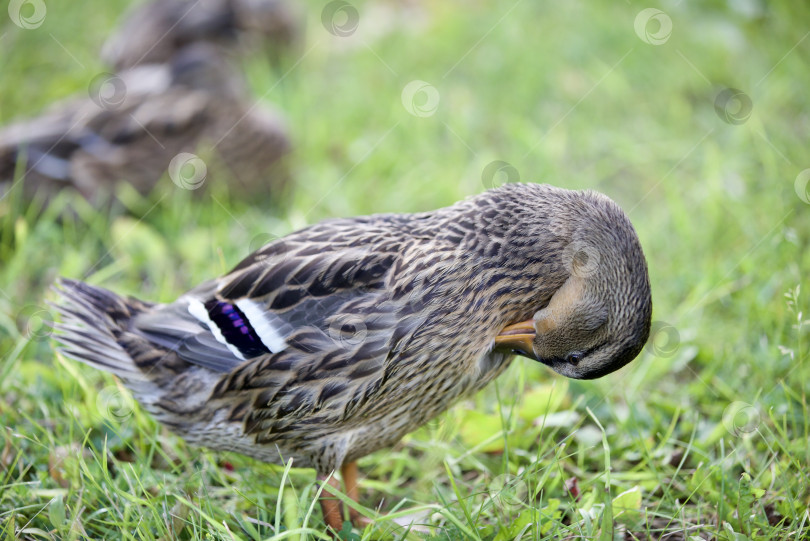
(191,117)
(153,32)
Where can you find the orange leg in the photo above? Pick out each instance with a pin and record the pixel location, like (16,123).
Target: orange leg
(332,512)
(349,473)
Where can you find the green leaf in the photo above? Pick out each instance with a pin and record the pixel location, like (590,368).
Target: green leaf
(731,535)
(550,516)
(517,529)
(56,512)
(480,430)
(627,505)
(745,504)
(543,399)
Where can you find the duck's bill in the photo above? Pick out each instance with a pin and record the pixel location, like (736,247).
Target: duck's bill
(518,338)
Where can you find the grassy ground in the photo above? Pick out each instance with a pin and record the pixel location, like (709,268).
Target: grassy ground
(705,436)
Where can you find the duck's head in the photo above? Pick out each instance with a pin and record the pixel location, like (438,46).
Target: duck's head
(599,319)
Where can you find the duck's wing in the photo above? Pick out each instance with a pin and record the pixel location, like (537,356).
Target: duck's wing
(308,319)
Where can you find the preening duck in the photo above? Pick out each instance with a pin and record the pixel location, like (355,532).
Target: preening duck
(337,340)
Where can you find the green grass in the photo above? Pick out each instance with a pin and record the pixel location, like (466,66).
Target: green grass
(705,436)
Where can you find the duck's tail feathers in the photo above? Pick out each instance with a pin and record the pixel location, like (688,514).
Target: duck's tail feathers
(93,321)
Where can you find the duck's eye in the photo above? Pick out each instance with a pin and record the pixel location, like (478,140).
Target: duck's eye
(574,357)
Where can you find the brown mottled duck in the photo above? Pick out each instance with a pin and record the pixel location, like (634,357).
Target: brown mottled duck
(337,340)
(137,121)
